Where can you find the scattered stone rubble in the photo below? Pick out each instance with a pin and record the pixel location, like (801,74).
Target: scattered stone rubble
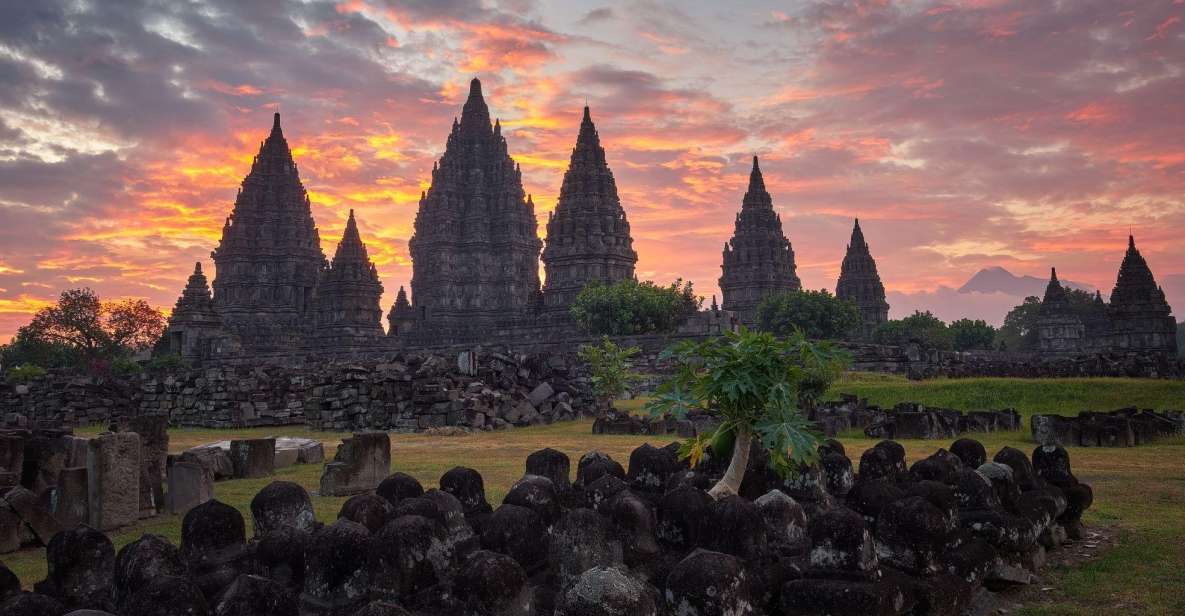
(875,537)
(908,420)
(406,392)
(614,421)
(1126,427)
(52,480)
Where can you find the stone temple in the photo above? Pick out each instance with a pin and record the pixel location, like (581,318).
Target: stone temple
(758,260)
(860,284)
(476,244)
(1137,319)
(588,235)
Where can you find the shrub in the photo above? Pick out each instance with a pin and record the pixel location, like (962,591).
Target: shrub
(630,307)
(968,335)
(920,327)
(609,368)
(817,314)
(756,383)
(25,373)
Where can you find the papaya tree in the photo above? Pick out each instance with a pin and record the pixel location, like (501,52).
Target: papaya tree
(758,385)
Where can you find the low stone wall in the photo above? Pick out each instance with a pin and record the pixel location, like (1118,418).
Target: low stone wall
(403,392)
(938,537)
(908,420)
(1127,427)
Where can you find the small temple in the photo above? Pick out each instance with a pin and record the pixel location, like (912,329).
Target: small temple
(860,283)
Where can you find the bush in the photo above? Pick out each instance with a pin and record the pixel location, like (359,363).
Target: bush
(25,373)
(921,327)
(609,368)
(757,384)
(170,361)
(968,335)
(817,314)
(630,307)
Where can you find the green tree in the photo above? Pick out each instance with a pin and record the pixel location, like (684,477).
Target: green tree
(921,327)
(630,307)
(93,330)
(968,335)
(817,314)
(609,368)
(756,382)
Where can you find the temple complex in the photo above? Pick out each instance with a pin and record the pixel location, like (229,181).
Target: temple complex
(476,246)
(860,283)
(269,258)
(1138,319)
(402,318)
(348,293)
(194,325)
(588,235)
(758,260)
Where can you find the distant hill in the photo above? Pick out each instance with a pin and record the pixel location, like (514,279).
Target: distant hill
(1000,280)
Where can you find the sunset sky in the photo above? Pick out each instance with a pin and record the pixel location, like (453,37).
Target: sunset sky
(964,135)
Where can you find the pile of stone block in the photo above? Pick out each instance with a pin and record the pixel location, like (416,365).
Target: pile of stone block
(908,420)
(1127,427)
(940,536)
(52,479)
(692,424)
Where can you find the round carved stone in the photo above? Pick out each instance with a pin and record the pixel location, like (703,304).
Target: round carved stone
(81,563)
(538,494)
(282,503)
(168,596)
(369,510)
(607,591)
(252,595)
(970,451)
(517,532)
(555,465)
(144,560)
(399,486)
(492,583)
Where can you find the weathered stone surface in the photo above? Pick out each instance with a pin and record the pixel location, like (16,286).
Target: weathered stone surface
(399,486)
(113,480)
(651,467)
(537,494)
(581,540)
(553,464)
(348,291)
(369,510)
(213,546)
(681,515)
(493,584)
(408,558)
(253,458)
(607,591)
(710,583)
(282,503)
(140,562)
(70,498)
(81,564)
(468,486)
(252,595)
(361,462)
(31,513)
(280,556)
(517,532)
(826,597)
(31,604)
(336,576)
(168,596)
(189,485)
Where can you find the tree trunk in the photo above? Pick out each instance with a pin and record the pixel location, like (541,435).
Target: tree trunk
(730,483)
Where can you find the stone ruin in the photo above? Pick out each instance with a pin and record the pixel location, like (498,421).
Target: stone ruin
(938,537)
(402,392)
(908,420)
(52,480)
(694,423)
(1126,427)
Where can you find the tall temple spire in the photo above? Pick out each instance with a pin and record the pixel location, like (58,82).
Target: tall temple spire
(758,260)
(860,283)
(269,257)
(588,235)
(475,248)
(1055,294)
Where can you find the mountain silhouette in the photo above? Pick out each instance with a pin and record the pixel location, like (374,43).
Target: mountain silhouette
(999,280)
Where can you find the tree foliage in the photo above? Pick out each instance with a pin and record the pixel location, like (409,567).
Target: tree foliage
(968,335)
(921,327)
(630,307)
(817,314)
(757,383)
(82,329)
(609,367)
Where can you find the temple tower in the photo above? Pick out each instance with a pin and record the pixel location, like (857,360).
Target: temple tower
(402,318)
(1141,319)
(860,283)
(475,248)
(270,254)
(1060,330)
(348,292)
(758,260)
(588,235)
(194,324)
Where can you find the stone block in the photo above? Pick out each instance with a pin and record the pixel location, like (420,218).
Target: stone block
(361,462)
(190,485)
(113,474)
(12,453)
(10,529)
(286,457)
(253,458)
(70,497)
(32,514)
(540,394)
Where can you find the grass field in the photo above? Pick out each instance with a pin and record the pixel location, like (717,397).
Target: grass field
(1140,491)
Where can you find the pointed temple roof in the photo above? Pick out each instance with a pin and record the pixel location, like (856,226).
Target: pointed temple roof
(475,248)
(1135,283)
(269,257)
(860,283)
(758,260)
(1055,299)
(351,250)
(588,234)
(196,295)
